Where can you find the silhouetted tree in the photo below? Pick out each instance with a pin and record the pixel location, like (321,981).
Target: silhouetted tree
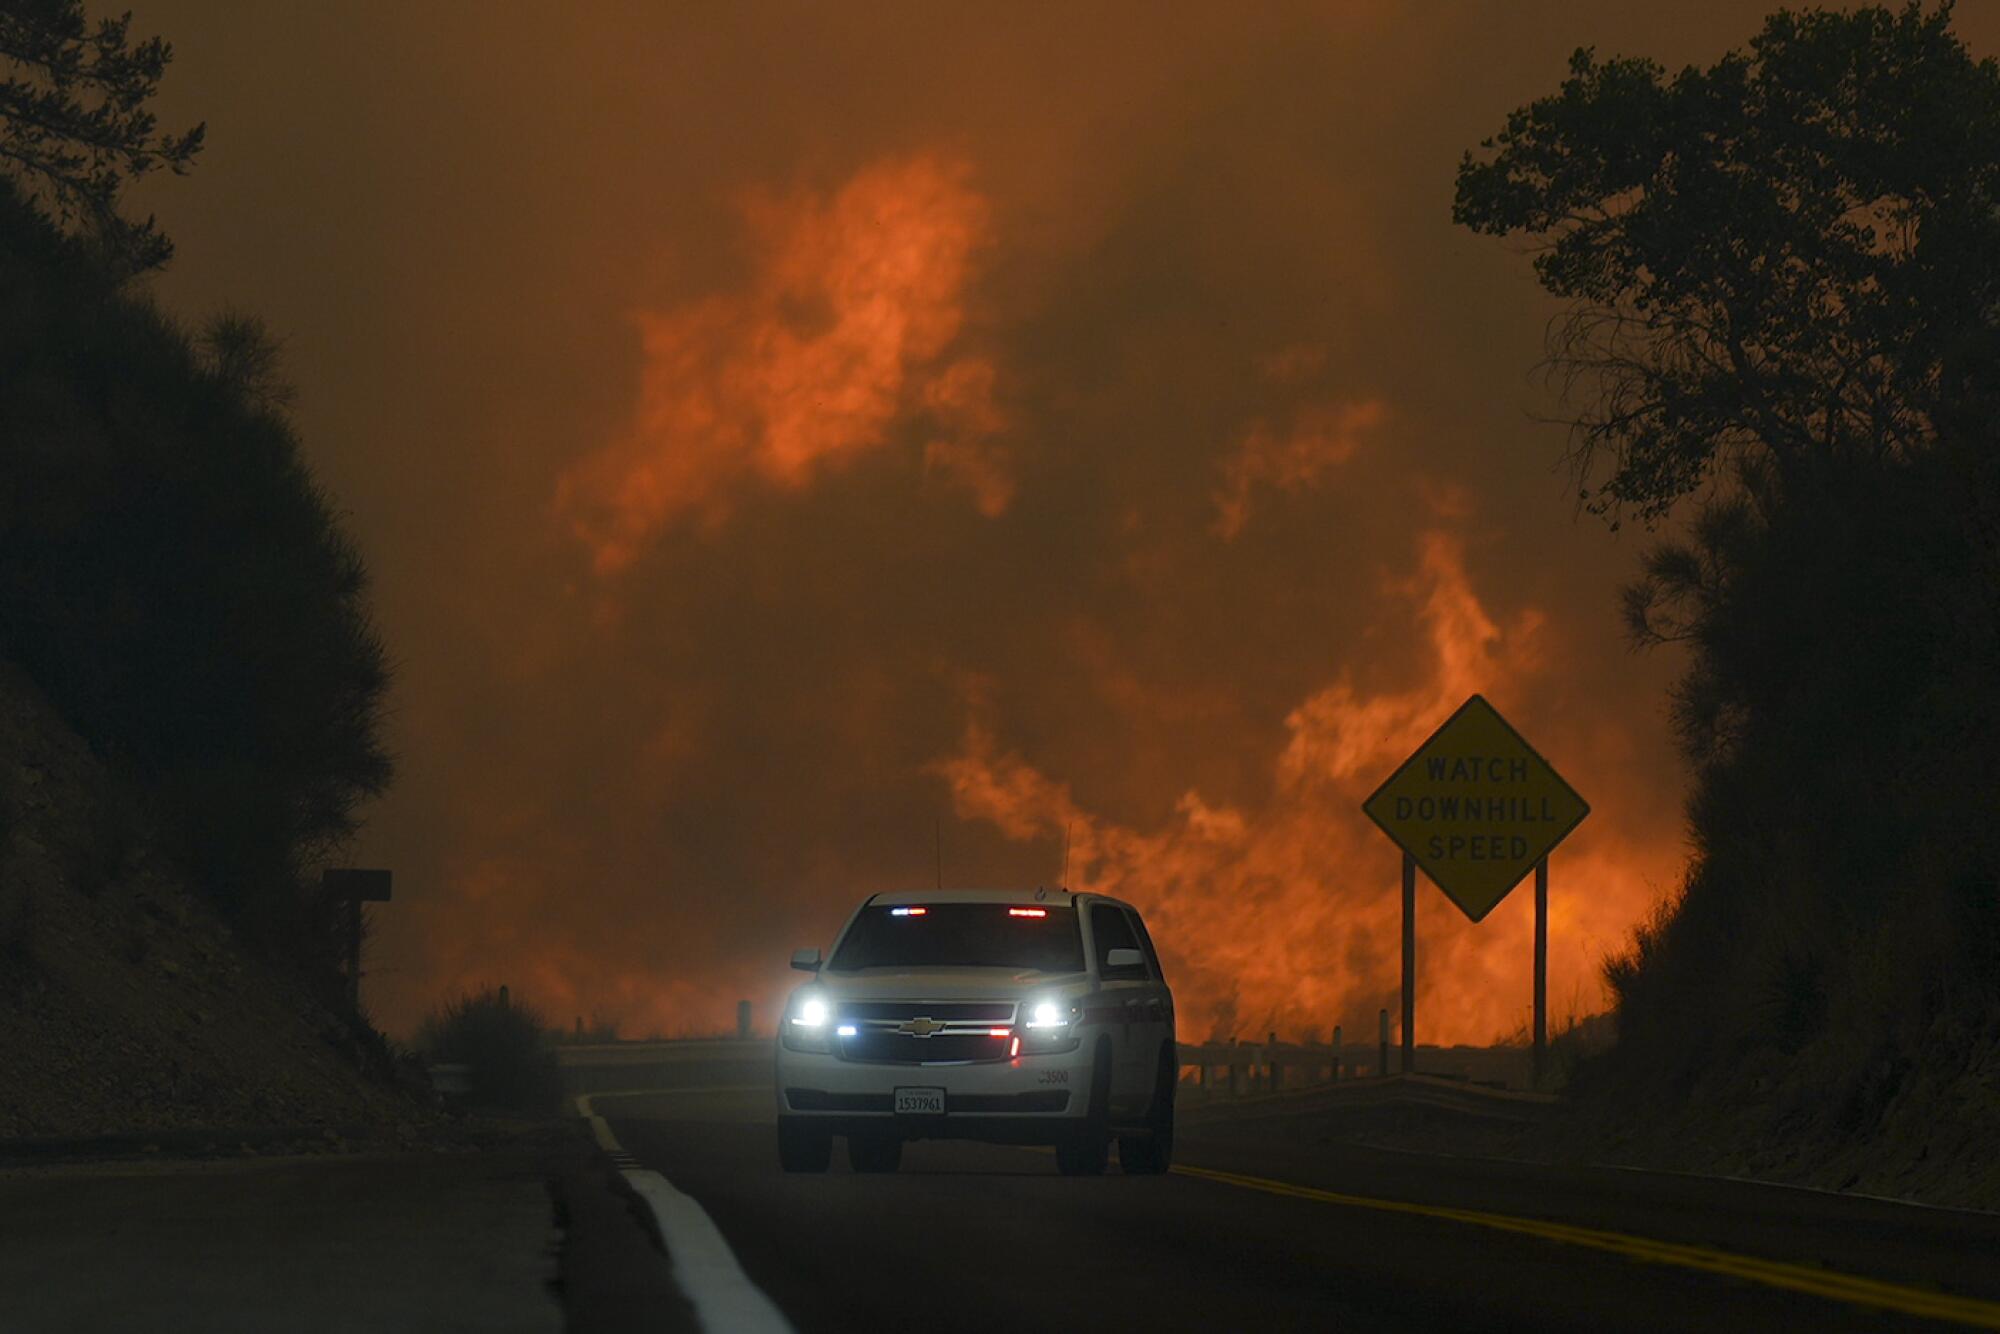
(74,126)
(1783,276)
(1794,253)
(174,578)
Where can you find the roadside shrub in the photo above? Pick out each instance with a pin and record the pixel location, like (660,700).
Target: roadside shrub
(504,1042)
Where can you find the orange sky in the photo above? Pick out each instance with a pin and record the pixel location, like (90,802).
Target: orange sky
(779,431)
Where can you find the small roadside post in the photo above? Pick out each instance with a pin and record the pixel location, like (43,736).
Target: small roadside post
(743,1019)
(1477,808)
(355,887)
(1409,966)
(1541,967)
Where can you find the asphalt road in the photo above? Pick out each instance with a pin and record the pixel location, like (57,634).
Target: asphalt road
(385,1243)
(1259,1234)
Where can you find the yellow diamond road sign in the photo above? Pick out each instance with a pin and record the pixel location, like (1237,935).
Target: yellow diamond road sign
(1476,807)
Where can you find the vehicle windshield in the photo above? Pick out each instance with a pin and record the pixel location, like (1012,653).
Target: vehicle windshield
(963,935)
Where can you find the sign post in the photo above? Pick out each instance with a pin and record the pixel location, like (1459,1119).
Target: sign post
(1541,967)
(1409,966)
(1476,807)
(356,887)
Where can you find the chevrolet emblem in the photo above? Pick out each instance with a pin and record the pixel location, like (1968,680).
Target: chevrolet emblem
(920,1027)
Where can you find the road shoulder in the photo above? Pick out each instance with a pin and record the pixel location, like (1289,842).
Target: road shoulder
(405,1241)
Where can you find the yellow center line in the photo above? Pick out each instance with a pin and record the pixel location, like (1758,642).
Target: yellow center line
(1772,1273)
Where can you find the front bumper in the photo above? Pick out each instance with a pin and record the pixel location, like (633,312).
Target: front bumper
(1028,1099)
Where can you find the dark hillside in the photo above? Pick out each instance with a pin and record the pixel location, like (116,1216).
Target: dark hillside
(1783,285)
(126,1004)
(1825,999)
(189,699)
(173,578)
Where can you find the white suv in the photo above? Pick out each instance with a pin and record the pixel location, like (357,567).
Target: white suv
(1031,1017)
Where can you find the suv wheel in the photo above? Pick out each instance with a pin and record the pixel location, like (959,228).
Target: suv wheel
(874,1153)
(803,1148)
(1086,1151)
(1151,1151)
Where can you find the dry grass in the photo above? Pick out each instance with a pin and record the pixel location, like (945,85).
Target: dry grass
(506,1044)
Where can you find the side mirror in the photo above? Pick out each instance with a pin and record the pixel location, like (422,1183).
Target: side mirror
(807,961)
(1124,957)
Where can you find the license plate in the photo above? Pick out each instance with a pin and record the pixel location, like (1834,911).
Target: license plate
(920,1102)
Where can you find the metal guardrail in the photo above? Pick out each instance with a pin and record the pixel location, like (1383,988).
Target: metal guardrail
(1402,1092)
(1234,1069)
(1264,1064)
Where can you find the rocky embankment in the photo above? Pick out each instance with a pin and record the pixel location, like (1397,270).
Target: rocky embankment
(126,1005)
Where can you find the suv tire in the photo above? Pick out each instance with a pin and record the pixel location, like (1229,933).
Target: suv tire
(1151,1151)
(874,1153)
(1087,1150)
(803,1148)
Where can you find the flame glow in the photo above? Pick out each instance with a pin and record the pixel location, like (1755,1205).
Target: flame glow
(851,304)
(1321,438)
(1288,917)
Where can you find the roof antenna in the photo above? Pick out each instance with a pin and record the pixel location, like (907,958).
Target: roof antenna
(1064,883)
(937,827)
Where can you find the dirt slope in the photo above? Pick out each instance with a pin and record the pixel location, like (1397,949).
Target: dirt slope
(125,1004)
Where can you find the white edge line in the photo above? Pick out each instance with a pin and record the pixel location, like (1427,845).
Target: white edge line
(725,1301)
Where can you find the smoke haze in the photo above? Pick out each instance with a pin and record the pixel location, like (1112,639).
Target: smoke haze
(786,439)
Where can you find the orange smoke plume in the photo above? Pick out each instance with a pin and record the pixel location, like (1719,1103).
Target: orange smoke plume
(1288,917)
(852,305)
(961,402)
(1321,438)
(563,978)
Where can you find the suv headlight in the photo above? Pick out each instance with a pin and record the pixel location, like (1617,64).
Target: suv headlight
(1048,1024)
(808,1023)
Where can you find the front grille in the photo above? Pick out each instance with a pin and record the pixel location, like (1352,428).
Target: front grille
(989,1012)
(946,1031)
(887,1045)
